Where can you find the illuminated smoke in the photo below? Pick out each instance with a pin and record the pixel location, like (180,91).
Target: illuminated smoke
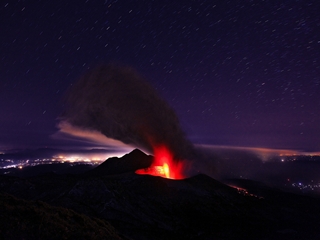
(120,104)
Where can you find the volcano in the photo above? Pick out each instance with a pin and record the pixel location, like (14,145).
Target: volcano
(144,206)
(161,164)
(164,165)
(127,164)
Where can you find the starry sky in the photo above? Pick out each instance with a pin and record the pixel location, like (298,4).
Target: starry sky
(237,73)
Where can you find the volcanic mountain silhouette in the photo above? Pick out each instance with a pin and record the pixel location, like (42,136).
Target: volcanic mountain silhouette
(128,163)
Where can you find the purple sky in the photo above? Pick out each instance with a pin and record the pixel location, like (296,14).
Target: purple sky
(238,73)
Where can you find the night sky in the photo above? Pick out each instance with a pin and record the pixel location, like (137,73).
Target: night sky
(237,73)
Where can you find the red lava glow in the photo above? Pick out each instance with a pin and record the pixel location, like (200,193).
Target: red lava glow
(164,165)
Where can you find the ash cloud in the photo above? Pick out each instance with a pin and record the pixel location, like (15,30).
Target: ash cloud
(119,103)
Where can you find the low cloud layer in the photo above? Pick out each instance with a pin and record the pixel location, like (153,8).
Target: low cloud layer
(89,137)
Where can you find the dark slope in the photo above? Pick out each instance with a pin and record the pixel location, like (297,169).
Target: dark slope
(21,219)
(148,207)
(128,163)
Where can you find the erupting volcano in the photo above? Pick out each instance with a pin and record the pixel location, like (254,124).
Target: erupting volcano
(164,165)
(117,102)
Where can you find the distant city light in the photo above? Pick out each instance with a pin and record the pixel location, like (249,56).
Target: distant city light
(87,158)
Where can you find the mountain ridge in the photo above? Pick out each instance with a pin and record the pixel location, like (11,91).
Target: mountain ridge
(150,207)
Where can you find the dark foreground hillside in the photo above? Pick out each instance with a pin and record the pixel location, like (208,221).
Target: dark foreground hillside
(148,207)
(21,219)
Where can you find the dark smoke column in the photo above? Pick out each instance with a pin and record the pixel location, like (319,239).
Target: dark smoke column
(119,103)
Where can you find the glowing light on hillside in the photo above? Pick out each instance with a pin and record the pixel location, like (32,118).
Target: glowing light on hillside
(164,165)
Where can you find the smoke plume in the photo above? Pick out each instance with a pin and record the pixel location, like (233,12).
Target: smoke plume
(120,104)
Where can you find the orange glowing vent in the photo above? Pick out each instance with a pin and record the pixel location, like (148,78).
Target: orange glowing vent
(163,165)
